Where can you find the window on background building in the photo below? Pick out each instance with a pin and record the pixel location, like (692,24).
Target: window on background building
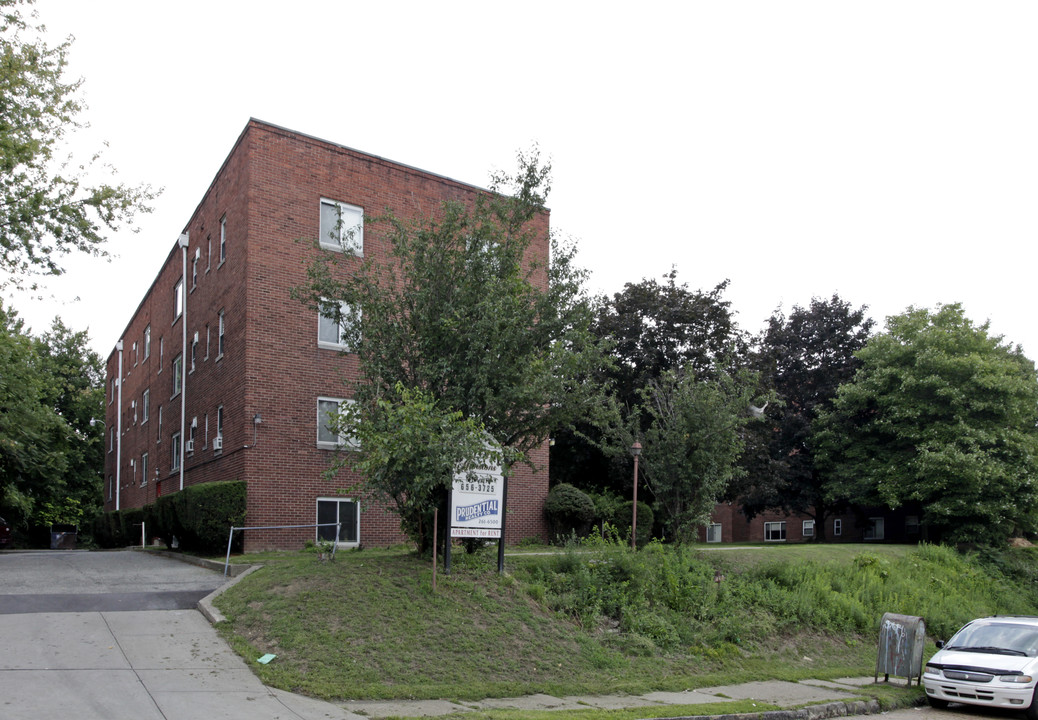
(912,525)
(111,388)
(158,438)
(344,511)
(144,469)
(808,529)
(874,530)
(111,439)
(208,252)
(194,269)
(178,299)
(205,438)
(192,432)
(342,227)
(175,450)
(206,342)
(837,527)
(713,533)
(147,342)
(162,352)
(145,405)
(220,337)
(223,239)
(332,329)
(178,377)
(327,435)
(111,484)
(135,354)
(194,351)
(775,531)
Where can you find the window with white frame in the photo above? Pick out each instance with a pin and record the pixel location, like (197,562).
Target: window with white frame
(194,351)
(145,405)
(775,531)
(194,268)
(178,377)
(808,529)
(178,299)
(328,434)
(135,353)
(345,512)
(837,527)
(220,347)
(111,439)
(874,530)
(208,252)
(158,438)
(175,449)
(334,325)
(147,342)
(342,227)
(223,239)
(144,469)
(219,422)
(713,533)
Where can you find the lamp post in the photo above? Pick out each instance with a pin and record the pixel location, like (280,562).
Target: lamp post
(636,450)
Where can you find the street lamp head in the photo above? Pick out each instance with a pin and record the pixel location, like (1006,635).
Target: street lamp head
(95,421)
(636,449)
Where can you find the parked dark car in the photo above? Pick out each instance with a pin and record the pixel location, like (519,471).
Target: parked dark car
(5,534)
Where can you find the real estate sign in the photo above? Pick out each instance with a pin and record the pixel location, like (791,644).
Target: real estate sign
(477,502)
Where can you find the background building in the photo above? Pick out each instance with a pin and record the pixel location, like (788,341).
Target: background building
(244,375)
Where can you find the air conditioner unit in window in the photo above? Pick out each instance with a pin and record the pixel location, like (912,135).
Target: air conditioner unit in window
(189,446)
(218,442)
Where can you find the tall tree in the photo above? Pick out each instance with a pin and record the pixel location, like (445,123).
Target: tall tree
(652,327)
(461,313)
(692,441)
(805,357)
(943,414)
(49,207)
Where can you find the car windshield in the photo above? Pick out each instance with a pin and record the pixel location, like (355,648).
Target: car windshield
(999,638)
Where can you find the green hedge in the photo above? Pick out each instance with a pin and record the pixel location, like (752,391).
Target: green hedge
(199,517)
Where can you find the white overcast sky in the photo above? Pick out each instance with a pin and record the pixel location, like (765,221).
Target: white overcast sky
(885,151)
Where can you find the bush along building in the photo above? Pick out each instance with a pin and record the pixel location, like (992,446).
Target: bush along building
(221,376)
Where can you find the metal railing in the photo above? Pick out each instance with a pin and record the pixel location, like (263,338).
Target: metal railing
(230,537)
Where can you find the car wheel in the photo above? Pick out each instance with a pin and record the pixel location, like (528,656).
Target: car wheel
(938,704)
(1032,711)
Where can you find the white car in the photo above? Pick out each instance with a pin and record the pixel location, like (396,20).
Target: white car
(990,662)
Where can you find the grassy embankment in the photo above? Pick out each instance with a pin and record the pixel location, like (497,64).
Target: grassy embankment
(601,619)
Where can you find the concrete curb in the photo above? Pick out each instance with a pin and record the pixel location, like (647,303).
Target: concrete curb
(811,712)
(205,605)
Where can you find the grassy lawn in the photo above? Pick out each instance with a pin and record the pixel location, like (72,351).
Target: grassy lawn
(599,620)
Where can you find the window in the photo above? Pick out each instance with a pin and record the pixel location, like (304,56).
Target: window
(144,469)
(194,268)
(775,531)
(111,439)
(111,396)
(808,529)
(133,407)
(162,352)
(158,439)
(874,530)
(178,368)
(342,227)
(175,452)
(206,342)
(192,433)
(223,239)
(713,533)
(219,422)
(145,405)
(220,338)
(194,351)
(206,437)
(135,354)
(338,510)
(208,252)
(178,299)
(111,484)
(837,527)
(327,433)
(912,525)
(147,342)
(333,328)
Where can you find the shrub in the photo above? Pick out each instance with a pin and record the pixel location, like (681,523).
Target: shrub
(569,511)
(622,517)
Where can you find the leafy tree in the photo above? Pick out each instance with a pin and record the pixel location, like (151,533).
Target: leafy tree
(461,313)
(50,456)
(48,207)
(943,414)
(692,442)
(805,357)
(652,327)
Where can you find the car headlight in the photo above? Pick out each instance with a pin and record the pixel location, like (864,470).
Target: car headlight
(1015,678)
(933,670)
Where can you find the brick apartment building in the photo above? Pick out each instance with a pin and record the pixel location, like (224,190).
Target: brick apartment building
(244,375)
(728,524)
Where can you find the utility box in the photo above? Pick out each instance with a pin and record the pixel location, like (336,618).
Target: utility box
(901,642)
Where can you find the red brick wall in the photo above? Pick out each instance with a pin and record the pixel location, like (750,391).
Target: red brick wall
(269,191)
